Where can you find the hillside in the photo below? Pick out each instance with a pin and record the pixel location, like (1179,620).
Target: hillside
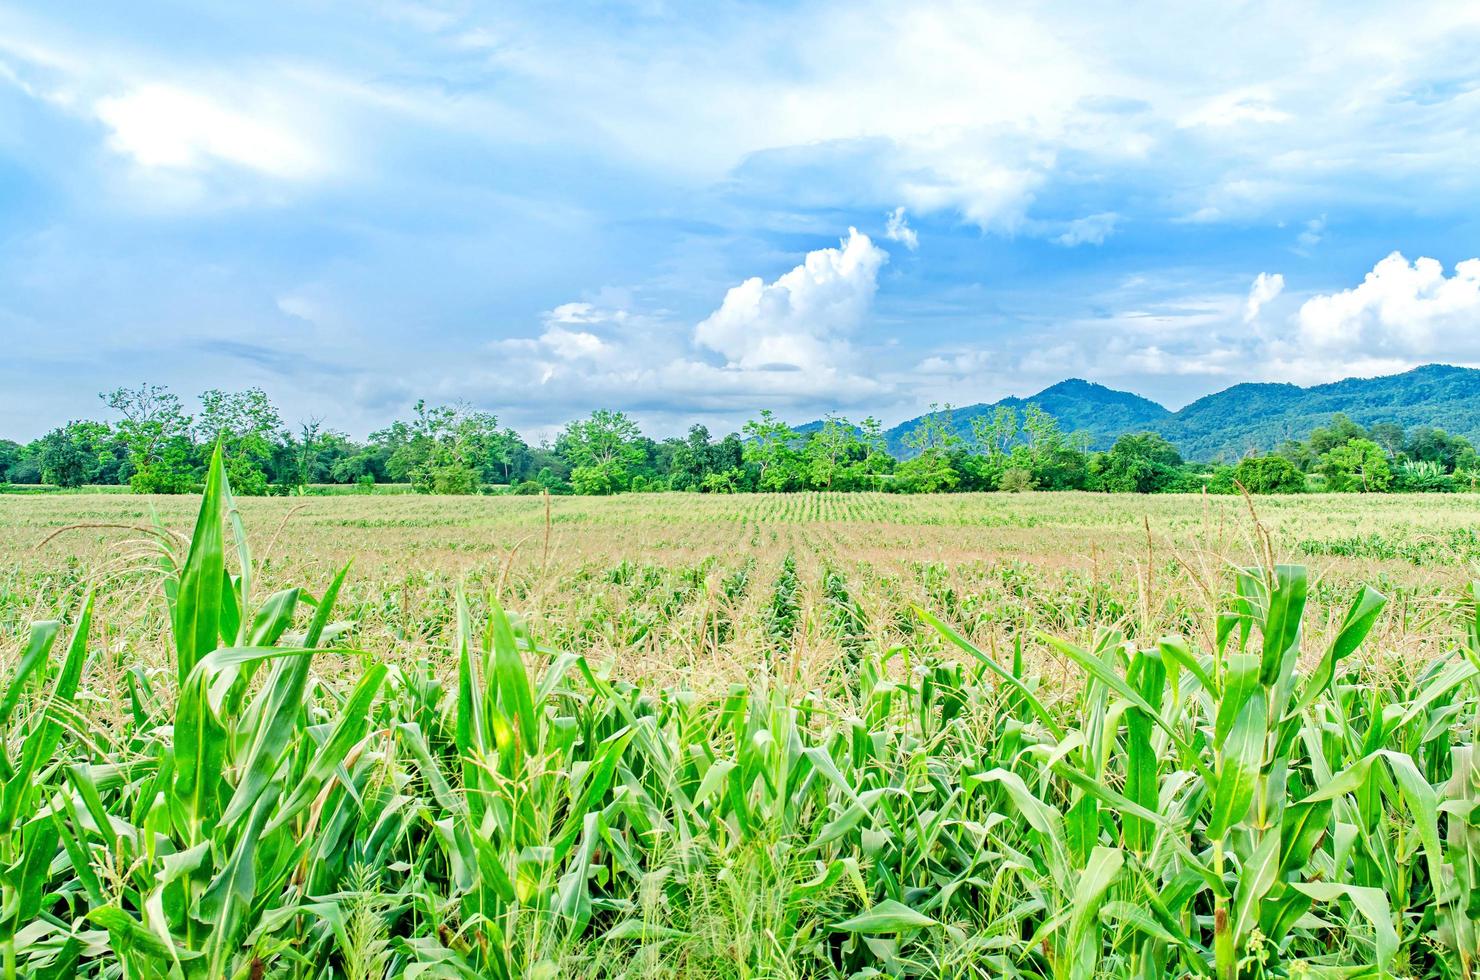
(1080,406)
(1253,417)
(1246,418)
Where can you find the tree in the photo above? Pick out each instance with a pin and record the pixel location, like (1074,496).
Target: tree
(602,451)
(319,455)
(996,436)
(10,457)
(876,460)
(1430,445)
(769,447)
(936,430)
(1139,463)
(829,451)
(156,431)
(1269,474)
(1015,480)
(1388,435)
(930,472)
(690,459)
(78,453)
(1357,466)
(249,429)
(1341,431)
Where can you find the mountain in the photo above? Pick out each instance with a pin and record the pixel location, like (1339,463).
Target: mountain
(1080,406)
(1258,417)
(1247,417)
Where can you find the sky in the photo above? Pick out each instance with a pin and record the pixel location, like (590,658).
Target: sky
(693,211)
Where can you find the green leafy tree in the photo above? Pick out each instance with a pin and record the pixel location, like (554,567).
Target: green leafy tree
(156,432)
(78,453)
(830,451)
(1340,431)
(1016,480)
(602,451)
(688,460)
(1430,445)
(770,449)
(936,430)
(1139,463)
(994,437)
(249,429)
(1357,466)
(10,457)
(930,472)
(1268,474)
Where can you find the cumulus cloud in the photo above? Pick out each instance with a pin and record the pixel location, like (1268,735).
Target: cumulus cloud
(1266,287)
(1401,309)
(898,229)
(803,319)
(162,126)
(572,345)
(783,344)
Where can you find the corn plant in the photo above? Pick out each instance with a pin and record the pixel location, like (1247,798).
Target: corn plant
(1253,809)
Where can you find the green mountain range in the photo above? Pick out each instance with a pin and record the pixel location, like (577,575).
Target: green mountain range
(1247,418)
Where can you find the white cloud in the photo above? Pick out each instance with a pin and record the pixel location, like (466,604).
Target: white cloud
(802,320)
(898,230)
(1265,288)
(1090,230)
(571,345)
(163,126)
(1408,310)
(581,313)
(1315,230)
(1235,109)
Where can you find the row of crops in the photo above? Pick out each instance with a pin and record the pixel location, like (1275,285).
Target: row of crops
(1244,805)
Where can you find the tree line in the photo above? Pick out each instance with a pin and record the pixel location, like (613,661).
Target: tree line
(152,445)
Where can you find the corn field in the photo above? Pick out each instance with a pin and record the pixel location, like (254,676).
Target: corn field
(1227,800)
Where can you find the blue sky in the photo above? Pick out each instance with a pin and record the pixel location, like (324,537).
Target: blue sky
(692,211)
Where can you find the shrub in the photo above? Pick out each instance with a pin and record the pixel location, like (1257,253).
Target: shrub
(1015,479)
(1269,474)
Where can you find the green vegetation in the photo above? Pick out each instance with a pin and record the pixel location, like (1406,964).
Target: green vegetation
(450,449)
(1231,799)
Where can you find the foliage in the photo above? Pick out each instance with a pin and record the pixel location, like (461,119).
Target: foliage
(1357,466)
(78,453)
(455,449)
(1269,474)
(247,427)
(156,431)
(1015,479)
(1142,463)
(603,450)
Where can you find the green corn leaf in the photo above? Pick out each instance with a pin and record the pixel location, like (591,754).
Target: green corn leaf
(1239,763)
(513,681)
(1282,623)
(196,613)
(33,657)
(1092,884)
(1360,617)
(886,919)
(1036,706)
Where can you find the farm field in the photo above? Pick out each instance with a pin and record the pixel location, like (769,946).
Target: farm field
(742,736)
(636,577)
